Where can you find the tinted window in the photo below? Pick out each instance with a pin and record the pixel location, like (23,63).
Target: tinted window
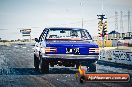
(78,34)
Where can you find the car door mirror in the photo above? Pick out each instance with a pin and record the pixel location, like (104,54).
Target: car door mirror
(36,39)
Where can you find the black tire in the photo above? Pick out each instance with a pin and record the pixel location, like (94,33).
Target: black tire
(77,66)
(92,67)
(82,79)
(36,62)
(44,67)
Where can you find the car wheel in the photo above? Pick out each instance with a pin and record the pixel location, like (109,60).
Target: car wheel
(36,62)
(44,66)
(77,66)
(82,79)
(92,67)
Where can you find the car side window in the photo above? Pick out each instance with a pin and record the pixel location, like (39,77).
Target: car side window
(43,35)
(45,31)
(40,39)
(83,34)
(88,35)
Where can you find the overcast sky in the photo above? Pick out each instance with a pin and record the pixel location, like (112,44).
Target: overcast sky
(38,14)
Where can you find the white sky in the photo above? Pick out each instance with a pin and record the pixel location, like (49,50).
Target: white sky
(38,14)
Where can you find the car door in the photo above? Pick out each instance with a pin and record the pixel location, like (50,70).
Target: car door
(37,49)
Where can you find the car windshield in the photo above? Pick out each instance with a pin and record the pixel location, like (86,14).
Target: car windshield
(68,34)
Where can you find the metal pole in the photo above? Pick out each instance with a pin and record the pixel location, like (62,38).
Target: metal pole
(81,4)
(30,37)
(103,42)
(102,6)
(82,22)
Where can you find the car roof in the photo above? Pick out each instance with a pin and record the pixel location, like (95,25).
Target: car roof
(64,28)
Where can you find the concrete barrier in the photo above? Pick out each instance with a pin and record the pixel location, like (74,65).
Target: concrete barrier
(116,56)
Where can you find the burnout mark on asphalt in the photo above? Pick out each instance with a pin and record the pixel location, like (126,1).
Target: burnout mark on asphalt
(32,71)
(19,71)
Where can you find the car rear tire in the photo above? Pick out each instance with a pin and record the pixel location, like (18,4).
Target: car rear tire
(36,62)
(82,79)
(92,67)
(77,66)
(44,66)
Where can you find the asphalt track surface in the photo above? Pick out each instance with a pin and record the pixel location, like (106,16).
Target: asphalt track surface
(16,70)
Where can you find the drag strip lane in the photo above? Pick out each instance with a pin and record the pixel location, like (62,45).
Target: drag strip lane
(16,69)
